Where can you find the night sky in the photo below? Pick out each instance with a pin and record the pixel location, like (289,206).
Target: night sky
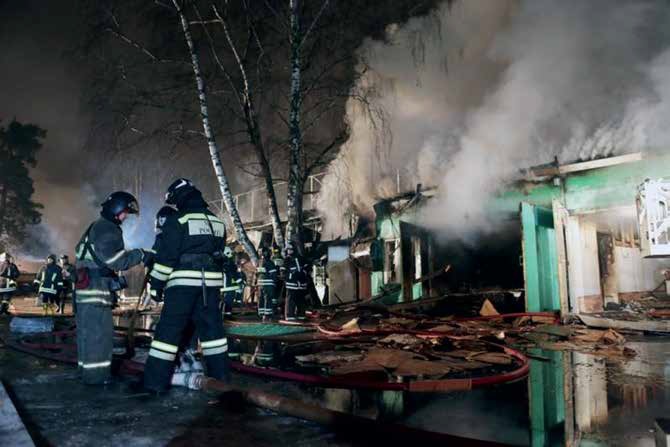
(41,85)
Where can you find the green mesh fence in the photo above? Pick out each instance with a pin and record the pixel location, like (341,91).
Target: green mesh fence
(265,330)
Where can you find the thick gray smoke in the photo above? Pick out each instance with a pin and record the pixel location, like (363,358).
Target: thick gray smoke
(39,87)
(44,83)
(475,93)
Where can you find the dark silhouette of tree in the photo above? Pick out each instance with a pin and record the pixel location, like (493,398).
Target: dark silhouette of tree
(19,144)
(279,74)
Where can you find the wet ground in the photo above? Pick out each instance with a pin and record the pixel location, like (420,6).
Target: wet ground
(606,402)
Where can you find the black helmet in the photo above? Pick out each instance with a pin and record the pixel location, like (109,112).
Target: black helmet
(117,203)
(179,190)
(163,214)
(64,258)
(290,246)
(51,258)
(265,252)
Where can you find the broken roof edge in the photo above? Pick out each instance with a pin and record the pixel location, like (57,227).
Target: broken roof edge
(541,172)
(428,191)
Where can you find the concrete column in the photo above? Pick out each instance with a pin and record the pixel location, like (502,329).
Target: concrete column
(583,269)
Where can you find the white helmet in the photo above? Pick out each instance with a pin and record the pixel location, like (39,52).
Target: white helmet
(4,257)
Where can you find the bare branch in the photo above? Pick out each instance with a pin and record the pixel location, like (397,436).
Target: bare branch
(217,60)
(140,47)
(316,19)
(318,161)
(277,15)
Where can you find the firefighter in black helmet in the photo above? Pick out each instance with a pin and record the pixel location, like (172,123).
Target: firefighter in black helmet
(267,282)
(297,278)
(100,255)
(161,217)
(9,273)
(69,280)
(50,282)
(187,272)
(233,282)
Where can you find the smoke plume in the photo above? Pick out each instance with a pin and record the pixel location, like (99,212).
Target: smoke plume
(477,91)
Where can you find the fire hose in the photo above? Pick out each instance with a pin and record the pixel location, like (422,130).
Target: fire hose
(420,386)
(336,420)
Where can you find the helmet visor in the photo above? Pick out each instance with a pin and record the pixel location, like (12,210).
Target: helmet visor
(133,207)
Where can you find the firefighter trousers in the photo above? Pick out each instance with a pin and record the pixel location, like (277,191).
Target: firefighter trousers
(228,300)
(182,305)
(296,303)
(95,342)
(266,302)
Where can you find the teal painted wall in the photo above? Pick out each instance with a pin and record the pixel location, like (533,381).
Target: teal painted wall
(588,190)
(540,260)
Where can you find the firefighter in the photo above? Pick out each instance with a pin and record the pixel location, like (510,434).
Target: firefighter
(100,255)
(267,282)
(187,275)
(239,265)
(161,217)
(280,282)
(9,273)
(189,346)
(49,281)
(297,280)
(233,282)
(69,280)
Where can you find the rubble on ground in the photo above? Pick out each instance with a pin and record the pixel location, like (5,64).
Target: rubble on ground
(423,334)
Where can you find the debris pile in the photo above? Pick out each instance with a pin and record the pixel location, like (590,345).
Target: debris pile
(402,356)
(473,341)
(607,343)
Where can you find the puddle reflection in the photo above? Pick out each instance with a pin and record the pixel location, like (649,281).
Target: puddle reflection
(569,398)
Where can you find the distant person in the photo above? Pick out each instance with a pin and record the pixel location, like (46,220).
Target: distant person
(50,282)
(100,255)
(9,273)
(297,279)
(233,282)
(240,262)
(267,283)
(187,273)
(69,273)
(280,282)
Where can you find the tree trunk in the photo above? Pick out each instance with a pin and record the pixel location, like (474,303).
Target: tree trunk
(253,128)
(3,209)
(273,209)
(211,141)
(295,190)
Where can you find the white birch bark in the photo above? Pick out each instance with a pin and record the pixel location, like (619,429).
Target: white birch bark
(295,185)
(221,178)
(253,128)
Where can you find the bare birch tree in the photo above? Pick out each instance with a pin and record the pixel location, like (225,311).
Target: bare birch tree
(276,90)
(294,205)
(211,139)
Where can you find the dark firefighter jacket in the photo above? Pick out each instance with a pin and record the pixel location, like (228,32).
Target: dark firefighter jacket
(188,252)
(233,281)
(106,242)
(267,274)
(8,275)
(50,279)
(297,277)
(69,276)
